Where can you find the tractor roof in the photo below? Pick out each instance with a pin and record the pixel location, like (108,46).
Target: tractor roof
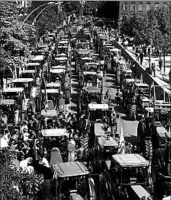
(95,106)
(115,50)
(55,132)
(49,113)
(89,73)
(59,67)
(142,85)
(149,109)
(53,85)
(69,169)
(33,64)
(130,160)
(140,191)
(50,91)
(38,58)
(22,80)
(167,198)
(87,58)
(19,89)
(92,89)
(61,58)
(92,63)
(28,71)
(7,101)
(57,71)
(107,142)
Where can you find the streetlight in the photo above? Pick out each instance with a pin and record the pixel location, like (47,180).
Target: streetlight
(49,3)
(43,10)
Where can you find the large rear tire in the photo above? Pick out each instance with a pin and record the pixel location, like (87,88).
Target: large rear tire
(148,150)
(132,111)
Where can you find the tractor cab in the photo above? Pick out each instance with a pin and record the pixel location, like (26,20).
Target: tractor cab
(127,85)
(83,45)
(42,49)
(63,49)
(103,140)
(91,66)
(52,95)
(72,181)
(142,89)
(162,112)
(129,172)
(26,83)
(50,110)
(28,74)
(60,61)
(95,57)
(128,74)
(115,52)
(13,93)
(97,112)
(38,59)
(90,79)
(57,74)
(33,66)
(55,136)
(8,110)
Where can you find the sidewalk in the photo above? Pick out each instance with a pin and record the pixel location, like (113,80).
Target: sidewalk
(161,77)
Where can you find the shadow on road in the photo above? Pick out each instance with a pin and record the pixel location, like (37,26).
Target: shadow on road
(75,85)
(109,81)
(131,139)
(120,109)
(127,118)
(110,75)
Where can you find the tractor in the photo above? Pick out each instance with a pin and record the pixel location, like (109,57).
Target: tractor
(72,181)
(154,142)
(125,176)
(10,114)
(88,95)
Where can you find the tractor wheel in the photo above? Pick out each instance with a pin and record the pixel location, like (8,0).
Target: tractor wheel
(132,112)
(148,150)
(92,189)
(67,96)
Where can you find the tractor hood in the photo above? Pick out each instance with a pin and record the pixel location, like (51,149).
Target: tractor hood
(140,191)
(76,197)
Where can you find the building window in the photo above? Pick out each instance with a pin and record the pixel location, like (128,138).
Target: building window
(140,7)
(148,6)
(156,5)
(125,7)
(132,6)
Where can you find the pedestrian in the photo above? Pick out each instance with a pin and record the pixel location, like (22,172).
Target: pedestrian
(160,64)
(118,97)
(141,55)
(153,69)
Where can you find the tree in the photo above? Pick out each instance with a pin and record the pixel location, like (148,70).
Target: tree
(152,28)
(71,7)
(49,20)
(14,35)
(12,181)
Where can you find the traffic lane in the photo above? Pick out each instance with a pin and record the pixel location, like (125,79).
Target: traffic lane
(72,107)
(129,126)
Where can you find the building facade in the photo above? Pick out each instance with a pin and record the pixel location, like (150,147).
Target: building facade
(23,4)
(139,7)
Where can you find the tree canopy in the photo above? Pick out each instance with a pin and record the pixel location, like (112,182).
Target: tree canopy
(15,36)
(152,28)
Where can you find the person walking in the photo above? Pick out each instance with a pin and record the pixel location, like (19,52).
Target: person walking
(141,55)
(160,64)
(153,69)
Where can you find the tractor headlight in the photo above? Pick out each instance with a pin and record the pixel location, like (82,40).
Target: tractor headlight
(143,198)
